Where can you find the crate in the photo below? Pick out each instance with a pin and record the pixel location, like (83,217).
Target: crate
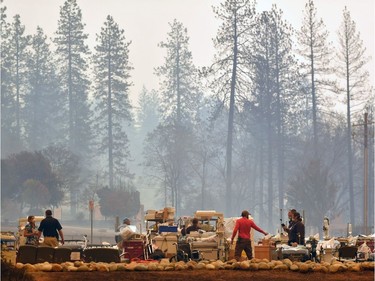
(208,250)
(166,243)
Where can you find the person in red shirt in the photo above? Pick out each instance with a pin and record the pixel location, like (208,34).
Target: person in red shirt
(243,227)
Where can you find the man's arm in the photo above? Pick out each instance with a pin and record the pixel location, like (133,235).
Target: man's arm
(301,233)
(258,228)
(62,236)
(40,229)
(286,229)
(234,231)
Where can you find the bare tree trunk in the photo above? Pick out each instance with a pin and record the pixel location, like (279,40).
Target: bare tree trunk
(350,151)
(228,202)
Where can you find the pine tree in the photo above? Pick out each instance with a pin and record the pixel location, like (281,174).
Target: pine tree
(352,60)
(274,98)
(112,106)
(179,90)
(71,57)
(72,61)
(180,98)
(148,113)
(14,82)
(230,67)
(41,110)
(7,100)
(316,52)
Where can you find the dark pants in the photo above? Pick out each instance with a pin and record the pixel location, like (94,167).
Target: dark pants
(243,245)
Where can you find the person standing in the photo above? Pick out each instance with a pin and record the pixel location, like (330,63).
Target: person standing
(243,227)
(31,232)
(297,231)
(51,228)
(125,223)
(291,221)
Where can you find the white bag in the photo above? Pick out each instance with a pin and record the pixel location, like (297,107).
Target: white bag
(127,233)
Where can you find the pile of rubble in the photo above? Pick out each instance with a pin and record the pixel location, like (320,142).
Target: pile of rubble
(165,265)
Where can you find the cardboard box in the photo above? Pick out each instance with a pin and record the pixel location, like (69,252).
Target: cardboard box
(209,254)
(150,216)
(264,252)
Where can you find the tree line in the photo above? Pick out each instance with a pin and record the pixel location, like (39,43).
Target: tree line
(258,129)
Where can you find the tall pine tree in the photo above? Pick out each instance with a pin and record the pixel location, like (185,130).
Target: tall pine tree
(352,61)
(112,106)
(42,99)
(180,97)
(230,68)
(14,83)
(274,97)
(72,55)
(7,100)
(316,52)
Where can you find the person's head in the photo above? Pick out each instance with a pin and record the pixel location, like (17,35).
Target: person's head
(296,216)
(31,219)
(245,214)
(195,221)
(290,213)
(126,221)
(48,213)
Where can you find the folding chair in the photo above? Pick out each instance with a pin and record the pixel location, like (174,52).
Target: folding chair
(348,252)
(62,255)
(44,254)
(26,254)
(101,255)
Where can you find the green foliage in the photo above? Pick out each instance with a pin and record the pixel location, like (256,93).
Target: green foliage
(167,148)
(71,58)
(314,190)
(65,165)
(35,193)
(118,202)
(14,52)
(180,93)
(68,169)
(27,179)
(112,105)
(43,101)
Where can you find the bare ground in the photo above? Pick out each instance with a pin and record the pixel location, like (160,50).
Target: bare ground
(204,275)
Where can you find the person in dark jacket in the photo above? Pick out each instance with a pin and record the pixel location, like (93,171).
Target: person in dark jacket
(291,222)
(296,231)
(193,227)
(51,228)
